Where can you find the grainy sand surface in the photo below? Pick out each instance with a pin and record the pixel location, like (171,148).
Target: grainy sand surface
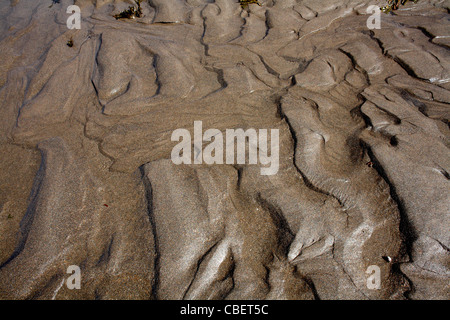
(86,176)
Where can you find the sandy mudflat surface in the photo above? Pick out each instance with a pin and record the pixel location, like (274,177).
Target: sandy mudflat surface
(86,176)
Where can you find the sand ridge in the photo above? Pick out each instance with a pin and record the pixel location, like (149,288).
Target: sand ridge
(85,141)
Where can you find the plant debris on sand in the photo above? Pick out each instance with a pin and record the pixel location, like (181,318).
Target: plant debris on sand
(244,3)
(394,5)
(131,13)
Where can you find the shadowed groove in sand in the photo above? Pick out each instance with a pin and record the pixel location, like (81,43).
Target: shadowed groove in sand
(110,200)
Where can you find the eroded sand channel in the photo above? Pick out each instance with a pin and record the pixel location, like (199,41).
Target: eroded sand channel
(86,177)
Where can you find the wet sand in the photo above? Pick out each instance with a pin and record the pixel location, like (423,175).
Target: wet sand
(86,176)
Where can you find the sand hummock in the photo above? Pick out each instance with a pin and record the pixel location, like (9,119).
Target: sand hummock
(87,179)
